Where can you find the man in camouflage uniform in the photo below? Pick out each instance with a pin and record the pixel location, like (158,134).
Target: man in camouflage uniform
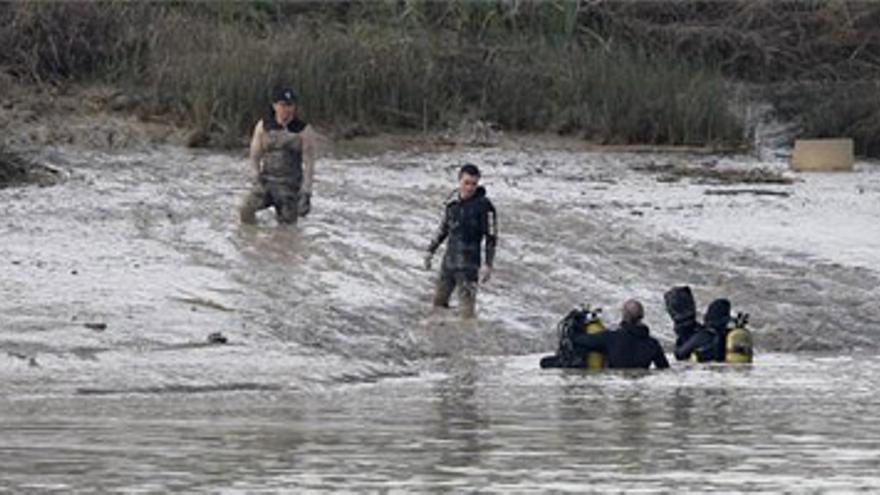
(282,159)
(468,218)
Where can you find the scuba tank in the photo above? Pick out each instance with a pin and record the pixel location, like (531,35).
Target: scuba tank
(593,324)
(738,345)
(711,339)
(579,319)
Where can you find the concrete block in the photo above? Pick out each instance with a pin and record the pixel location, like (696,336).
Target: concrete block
(823,155)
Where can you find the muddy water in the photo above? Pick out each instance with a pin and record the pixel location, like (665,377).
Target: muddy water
(336,376)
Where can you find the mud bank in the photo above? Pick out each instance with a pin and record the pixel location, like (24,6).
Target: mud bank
(93,117)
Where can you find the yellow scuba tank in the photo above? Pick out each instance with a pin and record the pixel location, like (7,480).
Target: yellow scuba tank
(593,324)
(738,346)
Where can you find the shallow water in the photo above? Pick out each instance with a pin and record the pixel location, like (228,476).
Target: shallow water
(791,423)
(336,375)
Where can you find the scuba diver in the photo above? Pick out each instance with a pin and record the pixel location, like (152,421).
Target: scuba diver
(708,342)
(716,340)
(578,320)
(682,309)
(630,346)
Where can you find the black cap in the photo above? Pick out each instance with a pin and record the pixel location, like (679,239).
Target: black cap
(283,94)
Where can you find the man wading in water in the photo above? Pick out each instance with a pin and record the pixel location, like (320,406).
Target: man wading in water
(282,160)
(468,217)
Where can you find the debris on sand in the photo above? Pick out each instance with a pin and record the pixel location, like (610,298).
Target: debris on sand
(16,170)
(711,174)
(756,192)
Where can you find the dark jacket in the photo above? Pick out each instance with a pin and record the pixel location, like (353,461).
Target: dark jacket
(466,223)
(707,343)
(630,346)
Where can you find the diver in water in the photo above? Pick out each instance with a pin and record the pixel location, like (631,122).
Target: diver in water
(282,159)
(682,309)
(707,343)
(629,346)
(468,218)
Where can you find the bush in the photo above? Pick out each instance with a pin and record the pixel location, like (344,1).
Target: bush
(828,110)
(555,65)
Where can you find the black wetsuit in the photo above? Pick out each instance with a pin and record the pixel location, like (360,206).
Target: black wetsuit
(682,309)
(708,341)
(703,345)
(630,346)
(464,226)
(466,223)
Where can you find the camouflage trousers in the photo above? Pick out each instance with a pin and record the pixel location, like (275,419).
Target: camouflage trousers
(284,196)
(466,283)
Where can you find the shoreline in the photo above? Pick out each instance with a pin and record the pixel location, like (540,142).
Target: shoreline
(104,117)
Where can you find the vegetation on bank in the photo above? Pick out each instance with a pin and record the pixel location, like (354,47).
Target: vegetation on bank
(614,72)
(15,169)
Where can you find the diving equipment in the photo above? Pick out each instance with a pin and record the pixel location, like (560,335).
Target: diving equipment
(739,346)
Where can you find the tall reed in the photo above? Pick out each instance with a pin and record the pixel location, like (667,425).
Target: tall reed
(617,72)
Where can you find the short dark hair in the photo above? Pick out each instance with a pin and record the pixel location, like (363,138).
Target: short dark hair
(470,169)
(633,311)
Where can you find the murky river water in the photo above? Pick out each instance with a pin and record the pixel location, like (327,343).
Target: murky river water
(337,377)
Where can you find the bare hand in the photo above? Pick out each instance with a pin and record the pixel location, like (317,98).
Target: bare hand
(486,275)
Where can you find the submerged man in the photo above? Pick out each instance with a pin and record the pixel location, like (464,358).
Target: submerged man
(630,346)
(282,160)
(468,218)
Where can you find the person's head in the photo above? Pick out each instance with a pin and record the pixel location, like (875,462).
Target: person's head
(717,314)
(468,180)
(284,103)
(633,312)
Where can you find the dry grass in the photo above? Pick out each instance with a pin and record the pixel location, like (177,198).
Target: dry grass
(614,72)
(15,169)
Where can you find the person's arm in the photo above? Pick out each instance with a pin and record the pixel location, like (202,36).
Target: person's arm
(587,342)
(309,151)
(491,234)
(440,234)
(685,350)
(257,149)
